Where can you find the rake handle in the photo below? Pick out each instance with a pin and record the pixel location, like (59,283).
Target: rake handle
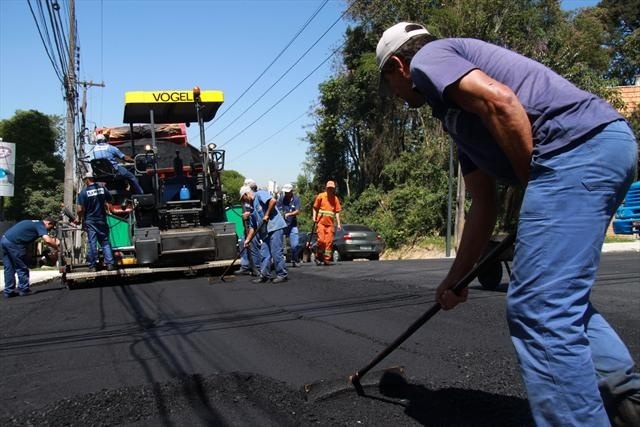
(463,283)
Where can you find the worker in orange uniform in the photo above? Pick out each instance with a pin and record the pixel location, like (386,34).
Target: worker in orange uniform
(326,216)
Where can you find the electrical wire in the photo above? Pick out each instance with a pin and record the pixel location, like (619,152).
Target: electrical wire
(269,137)
(282,75)
(58,73)
(282,98)
(305,25)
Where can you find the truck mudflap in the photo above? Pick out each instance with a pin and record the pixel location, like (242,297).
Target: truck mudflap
(70,278)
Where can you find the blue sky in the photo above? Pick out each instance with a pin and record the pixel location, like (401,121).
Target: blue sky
(145,45)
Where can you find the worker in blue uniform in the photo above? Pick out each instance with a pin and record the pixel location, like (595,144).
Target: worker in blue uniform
(94,201)
(14,253)
(250,258)
(289,206)
(104,150)
(268,224)
(514,120)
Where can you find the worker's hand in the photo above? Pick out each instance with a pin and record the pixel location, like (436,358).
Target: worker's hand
(339,227)
(265,218)
(447,298)
(245,215)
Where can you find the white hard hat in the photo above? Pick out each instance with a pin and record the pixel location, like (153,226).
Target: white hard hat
(287,188)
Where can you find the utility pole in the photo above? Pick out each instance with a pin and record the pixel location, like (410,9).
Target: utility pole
(460,203)
(69,164)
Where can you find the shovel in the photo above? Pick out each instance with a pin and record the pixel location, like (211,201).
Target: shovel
(222,278)
(323,390)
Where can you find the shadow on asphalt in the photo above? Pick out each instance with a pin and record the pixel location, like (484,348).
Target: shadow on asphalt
(454,406)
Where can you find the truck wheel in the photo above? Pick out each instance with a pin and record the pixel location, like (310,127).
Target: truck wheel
(490,276)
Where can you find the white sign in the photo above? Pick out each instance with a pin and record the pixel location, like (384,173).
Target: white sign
(7,168)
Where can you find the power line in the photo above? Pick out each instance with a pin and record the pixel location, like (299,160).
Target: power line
(284,74)
(269,137)
(305,25)
(282,98)
(57,71)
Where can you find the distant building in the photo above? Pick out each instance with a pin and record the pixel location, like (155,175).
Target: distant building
(630,96)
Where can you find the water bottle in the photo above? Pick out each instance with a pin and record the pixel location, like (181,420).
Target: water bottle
(185,194)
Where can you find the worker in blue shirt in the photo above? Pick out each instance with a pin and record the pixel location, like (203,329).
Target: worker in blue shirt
(94,201)
(267,222)
(250,258)
(289,206)
(14,254)
(103,150)
(513,120)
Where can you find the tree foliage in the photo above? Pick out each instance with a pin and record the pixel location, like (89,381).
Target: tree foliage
(231,182)
(621,19)
(391,163)
(39,173)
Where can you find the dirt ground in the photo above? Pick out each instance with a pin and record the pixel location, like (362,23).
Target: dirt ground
(412,252)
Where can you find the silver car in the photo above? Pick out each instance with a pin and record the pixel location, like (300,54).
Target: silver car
(356,241)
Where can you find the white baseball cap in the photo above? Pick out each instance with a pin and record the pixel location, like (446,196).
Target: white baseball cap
(249,182)
(100,138)
(392,40)
(287,188)
(244,190)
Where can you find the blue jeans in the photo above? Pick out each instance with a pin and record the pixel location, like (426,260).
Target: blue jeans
(98,233)
(568,353)
(253,251)
(271,248)
(14,257)
(133,181)
(292,233)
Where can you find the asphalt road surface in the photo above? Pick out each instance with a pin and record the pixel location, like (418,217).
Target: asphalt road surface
(196,351)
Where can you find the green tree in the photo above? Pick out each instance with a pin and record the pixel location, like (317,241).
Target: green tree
(231,182)
(622,22)
(378,147)
(39,170)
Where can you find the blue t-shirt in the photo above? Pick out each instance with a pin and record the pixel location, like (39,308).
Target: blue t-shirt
(26,231)
(93,198)
(103,150)
(285,206)
(260,204)
(559,112)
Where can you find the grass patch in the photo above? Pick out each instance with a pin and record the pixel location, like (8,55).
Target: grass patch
(620,238)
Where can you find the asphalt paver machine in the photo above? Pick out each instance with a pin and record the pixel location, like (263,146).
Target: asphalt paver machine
(179,222)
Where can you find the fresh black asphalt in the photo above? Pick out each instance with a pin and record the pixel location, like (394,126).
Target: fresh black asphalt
(180,351)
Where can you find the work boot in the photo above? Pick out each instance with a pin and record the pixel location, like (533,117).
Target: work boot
(25,293)
(245,272)
(626,413)
(111,267)
(279,279)
(260,279)
(8,295)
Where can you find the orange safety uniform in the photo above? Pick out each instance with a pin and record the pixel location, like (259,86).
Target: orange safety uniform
(327,207)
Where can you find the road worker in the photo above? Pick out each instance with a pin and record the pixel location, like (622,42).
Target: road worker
(267,222)
(326,215)
(516,121)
